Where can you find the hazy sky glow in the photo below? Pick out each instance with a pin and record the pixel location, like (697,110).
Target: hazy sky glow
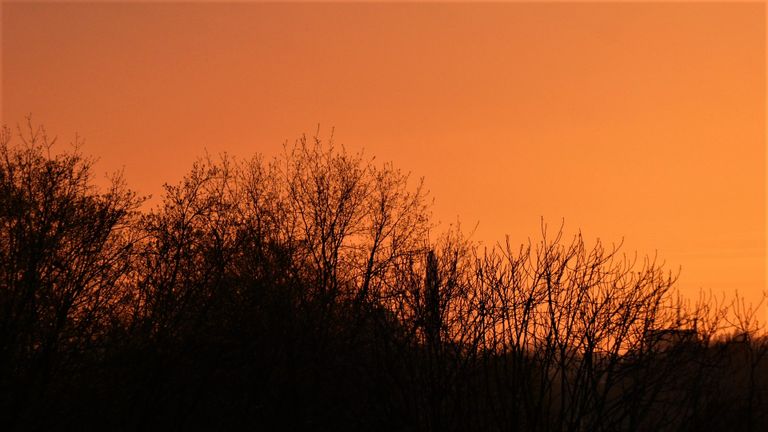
(644,121)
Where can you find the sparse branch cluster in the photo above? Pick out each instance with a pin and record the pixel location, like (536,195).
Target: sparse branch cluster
(306,292)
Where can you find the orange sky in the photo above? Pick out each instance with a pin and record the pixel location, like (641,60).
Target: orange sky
(644,121)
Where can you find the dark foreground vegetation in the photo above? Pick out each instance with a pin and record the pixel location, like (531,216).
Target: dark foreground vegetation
(307,293)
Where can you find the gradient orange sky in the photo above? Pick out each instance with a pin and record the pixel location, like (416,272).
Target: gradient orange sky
(642,121)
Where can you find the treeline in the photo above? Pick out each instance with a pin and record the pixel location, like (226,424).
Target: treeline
(309,292)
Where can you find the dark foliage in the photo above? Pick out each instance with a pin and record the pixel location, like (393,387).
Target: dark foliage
(305,293)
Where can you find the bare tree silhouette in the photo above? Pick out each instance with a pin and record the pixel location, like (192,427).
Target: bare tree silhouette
(65,249)
(306,292)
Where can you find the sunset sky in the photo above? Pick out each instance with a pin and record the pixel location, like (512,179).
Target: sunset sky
(642,121)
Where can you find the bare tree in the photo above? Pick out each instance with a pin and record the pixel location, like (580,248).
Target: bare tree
(64,250)
(306,292)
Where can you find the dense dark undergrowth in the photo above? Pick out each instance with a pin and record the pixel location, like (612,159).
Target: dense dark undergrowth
(306,293)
